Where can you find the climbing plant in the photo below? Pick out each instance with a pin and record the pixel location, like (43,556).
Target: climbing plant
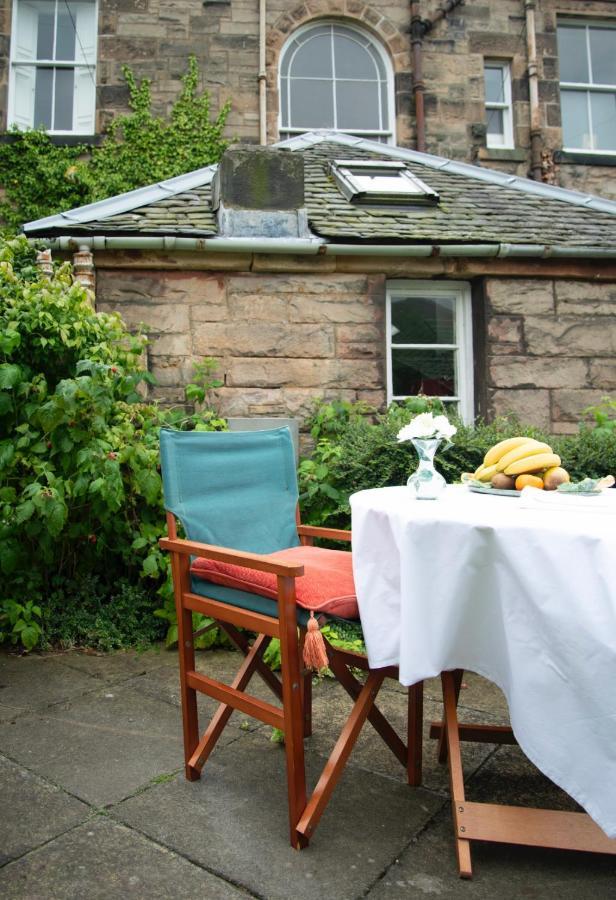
(40,178)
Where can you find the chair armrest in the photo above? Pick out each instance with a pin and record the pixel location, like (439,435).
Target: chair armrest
(235,557)
(333,534)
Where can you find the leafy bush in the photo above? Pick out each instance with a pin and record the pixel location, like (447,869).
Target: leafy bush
(363,453)
(88,612)
(81,489)
(41,178)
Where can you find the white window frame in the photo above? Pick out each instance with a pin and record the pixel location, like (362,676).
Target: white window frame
(506,106)
(463,346)
(36,63)
(587,87)
(386,136)
(353,177)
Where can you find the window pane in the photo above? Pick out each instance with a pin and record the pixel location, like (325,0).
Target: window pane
(42,97)
(65,35)
(311,103)
(495,125)
(284,99)
(63,114)
(353,60)
(423,372)
(572,54)
(603,55)
(44,44)
(357,104)
(495,89)
(423,320)
(576,133)
(314,58)
(384,106)
(603,107)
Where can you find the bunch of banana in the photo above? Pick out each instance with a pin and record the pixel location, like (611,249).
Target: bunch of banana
(516,456)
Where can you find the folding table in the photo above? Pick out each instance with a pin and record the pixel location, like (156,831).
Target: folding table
(525,597)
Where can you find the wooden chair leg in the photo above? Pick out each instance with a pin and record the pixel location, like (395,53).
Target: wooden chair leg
(186,654)
(292,708)
(415,734)
(335,764)
(353,687)
(457,676)
(224,711)
(307,702)
(450,684)
(306,688)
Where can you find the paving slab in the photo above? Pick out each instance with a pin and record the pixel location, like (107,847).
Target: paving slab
(119,665)
(102,860)
(371,753)
(102,747)
(234,820)
(164,683)
(427,868)
(33,811)
(33,682)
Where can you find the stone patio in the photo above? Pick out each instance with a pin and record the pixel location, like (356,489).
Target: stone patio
(95,805)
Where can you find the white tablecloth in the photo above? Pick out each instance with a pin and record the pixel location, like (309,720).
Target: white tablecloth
(526,597)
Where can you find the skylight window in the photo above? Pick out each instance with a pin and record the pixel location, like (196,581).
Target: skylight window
(380,182)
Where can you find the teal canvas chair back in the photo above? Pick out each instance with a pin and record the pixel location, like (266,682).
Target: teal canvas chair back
(233,489)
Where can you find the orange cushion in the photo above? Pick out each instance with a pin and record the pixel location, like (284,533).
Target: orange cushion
(326,586)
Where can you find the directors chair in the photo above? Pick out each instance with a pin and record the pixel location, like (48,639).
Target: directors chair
(248,564)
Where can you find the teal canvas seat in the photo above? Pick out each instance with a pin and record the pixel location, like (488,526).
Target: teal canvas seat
(236,497)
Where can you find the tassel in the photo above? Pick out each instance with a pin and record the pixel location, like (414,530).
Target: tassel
(315,654)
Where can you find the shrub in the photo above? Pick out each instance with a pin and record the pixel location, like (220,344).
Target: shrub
(363,453)
(81,489)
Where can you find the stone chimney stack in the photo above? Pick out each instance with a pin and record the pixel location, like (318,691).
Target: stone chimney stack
(258,192)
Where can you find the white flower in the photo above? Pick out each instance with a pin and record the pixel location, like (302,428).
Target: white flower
(426,425)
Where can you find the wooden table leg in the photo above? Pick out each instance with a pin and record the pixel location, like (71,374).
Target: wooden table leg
(415,734)
(456,773)
(500,823)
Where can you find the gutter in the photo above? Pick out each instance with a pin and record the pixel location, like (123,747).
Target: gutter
(317,246)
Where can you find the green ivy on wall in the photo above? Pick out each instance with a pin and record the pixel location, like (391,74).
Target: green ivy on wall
(39,178)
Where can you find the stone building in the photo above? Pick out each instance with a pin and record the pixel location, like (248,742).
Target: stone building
(337,266)
(522,86)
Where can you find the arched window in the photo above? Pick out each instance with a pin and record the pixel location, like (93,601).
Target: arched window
(337,77)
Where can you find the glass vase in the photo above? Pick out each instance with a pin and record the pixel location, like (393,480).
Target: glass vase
(425,482)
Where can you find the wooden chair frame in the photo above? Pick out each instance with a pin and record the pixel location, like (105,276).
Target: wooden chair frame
(497,822)
(294,688)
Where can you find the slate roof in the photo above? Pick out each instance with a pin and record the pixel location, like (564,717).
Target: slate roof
(187,213)
(469,211)
(477,205)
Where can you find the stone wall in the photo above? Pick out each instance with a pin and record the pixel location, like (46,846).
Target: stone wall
(281,340)
(155,37)
(551,348)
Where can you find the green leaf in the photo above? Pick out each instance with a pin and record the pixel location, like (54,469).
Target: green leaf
(30,636)
(172,636)
(7,452)
(10,375)
(56,517)
(24,512)
(150,566)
